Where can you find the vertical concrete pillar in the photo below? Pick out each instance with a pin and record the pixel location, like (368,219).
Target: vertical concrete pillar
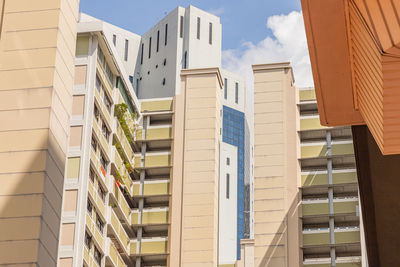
(37,51)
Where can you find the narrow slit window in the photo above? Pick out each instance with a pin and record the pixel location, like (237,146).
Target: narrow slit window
(198,28)
(185,60)
(126,50)
(141,54)
(158,40)
(114,39)
(166,34)
(226,88)
(236,93)
(210,33)
(181,28)
(227,185)
(150,47)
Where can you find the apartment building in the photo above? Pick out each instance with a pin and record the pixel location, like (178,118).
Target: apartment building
(305,187)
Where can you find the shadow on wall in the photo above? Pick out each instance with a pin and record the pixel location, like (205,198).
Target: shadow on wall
(280,240)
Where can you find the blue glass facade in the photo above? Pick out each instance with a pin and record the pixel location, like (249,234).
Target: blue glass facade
(233,133)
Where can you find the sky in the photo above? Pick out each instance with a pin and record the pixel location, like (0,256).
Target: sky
(254,31)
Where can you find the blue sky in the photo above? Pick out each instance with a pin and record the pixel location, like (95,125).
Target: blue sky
(242,20)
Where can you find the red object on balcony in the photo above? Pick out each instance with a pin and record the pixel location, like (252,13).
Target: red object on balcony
(118,184)
(103,171)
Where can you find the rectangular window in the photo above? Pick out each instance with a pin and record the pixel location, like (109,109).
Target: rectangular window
(98,84)
(94,144)
(226,88)
(137,87)
(141,55)
(89,207)
(114,39)
(99,223)
(166,34)
(236,93)
(131,79)
(158,40)
(210,34)
(97,256)
(181,28)
(228,161)
(103,161)
(105,131)
(150,47)
(88,240)
(126,50)
(91,175)
(198,28)
(107,102)
(101,193)
(227,186)
(185,60)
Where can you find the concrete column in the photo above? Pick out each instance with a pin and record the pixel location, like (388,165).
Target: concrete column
(330,199)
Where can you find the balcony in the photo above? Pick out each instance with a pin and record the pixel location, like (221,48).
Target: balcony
(102,107)
(152,188)
(157,106)
(150,216)
(113,258)
(150,246)
(97,201)
(351,261)
(320,178)
(102,75)
(321,237)
(120,167)
(310,123)
(153,160)
(121,138)
(342,148)
(313,150)
(307,95)
(98,237)
(103,141)
(116,231)
(155,133)
(321,207)
(122,208)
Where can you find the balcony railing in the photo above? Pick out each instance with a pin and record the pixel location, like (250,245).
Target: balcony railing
(318,178)
(113,255)
(97,236)
(121,205)
(153,160)
(321,237)
(117,230)
(151,216)
(150,246)
(159,133)
(152,188)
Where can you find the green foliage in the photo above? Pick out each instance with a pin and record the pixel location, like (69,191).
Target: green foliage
(120,112)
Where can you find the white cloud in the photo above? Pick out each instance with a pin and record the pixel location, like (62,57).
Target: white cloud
(216,11)
(288,43)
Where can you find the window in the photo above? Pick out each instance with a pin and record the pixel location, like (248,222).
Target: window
(126,50)
(185,60)
(131,79)
(103,161)
(198,28)
(101,193)
(99,223)
(181,28)
(114,39)
(88,240)
(210,34)
(98,84)
(150,47)
(165,61)
(137,87)
(227,185)
(94,144)
(89,207)
(226,88)
(158,40)
(166,34)
(228,161)
(97,256)
(105,131)
(236,93)
(91,175)
(96,113)
(109,75)
(107,102)
(163,81)
(141,54)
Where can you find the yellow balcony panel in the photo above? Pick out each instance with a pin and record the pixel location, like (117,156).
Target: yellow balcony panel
(163,133)
(348,264)
(316,238)
(121,205)
(307,95)
(86,256)
(158,105)
(102,107)
(119,164)
(313,150)
(314,178)
(347,236)
(118,230)
(103,141)
(350,206)
(99,238)
(344,177)
(107,86)
(151,216)
(154,161)
(152,188)
(150,246)
(97,201)
(114,255)
(342,148)
(311,209)
(310,124)
(126,147)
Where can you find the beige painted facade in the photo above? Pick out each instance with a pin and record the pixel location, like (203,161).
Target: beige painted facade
(276,197)
(195,175)
(37,45)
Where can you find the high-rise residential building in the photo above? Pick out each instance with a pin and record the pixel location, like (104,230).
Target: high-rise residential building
(305,184)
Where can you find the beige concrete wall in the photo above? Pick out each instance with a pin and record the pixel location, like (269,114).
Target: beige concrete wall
(37,44)
(195,179)
(276,195)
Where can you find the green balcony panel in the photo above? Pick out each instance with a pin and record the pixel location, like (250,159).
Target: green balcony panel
(310,124)
(345,207)
(307,95)
(344,177)
(342,149)
(315,239)
(154,247)
(315,209)
(161,105)
(314,179)
(313,151)
(347,237)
